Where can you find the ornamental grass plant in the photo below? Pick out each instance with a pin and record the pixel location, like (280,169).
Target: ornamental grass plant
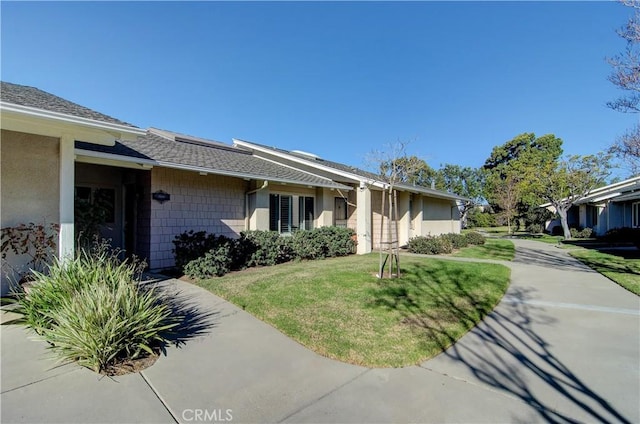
(93,310)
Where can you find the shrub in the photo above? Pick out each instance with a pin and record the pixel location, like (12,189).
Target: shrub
(581,234)
(265,248)
(475,238)
(476,218)
(430,245)
(585,233)
(323,242)
(622,235)
(92,310)
(192,245)
(458,241)
(534,228)
(215,263)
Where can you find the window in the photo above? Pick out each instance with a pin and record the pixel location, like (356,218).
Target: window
(289,213)
(340,215)
(635,215)
(100,199)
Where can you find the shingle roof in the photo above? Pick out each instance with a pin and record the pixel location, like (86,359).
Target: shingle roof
(359,172)
(32,97)
(216,157)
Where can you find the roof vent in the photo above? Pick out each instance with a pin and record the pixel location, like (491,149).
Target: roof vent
(305,155)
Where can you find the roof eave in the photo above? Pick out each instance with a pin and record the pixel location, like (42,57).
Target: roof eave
(124,130)
(355,177)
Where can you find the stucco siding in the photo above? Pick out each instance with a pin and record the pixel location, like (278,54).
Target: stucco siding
(30,183)
(439,217)
(210,203)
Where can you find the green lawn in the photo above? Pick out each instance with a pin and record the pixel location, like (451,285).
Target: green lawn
(624,271)
(498,249)
(338,308)
(503,232)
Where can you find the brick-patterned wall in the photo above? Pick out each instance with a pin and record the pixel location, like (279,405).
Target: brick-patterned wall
(211,203)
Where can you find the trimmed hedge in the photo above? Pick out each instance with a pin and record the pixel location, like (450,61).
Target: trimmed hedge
(430,245)
(257,248)
(265,248)
(216,262)
(475,238)
(323,242)
(444,243)
(458,241)
(581,234)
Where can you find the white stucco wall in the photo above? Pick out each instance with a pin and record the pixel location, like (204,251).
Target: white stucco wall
(440,216)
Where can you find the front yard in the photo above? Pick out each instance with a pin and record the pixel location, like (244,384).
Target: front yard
(338,308)
(621,266)
(496,249)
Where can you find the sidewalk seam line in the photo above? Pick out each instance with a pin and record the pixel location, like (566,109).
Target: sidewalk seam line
(480,386)
(39,381)
(314,401)
(162,401)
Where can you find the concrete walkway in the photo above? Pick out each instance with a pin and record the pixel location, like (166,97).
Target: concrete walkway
(562,346)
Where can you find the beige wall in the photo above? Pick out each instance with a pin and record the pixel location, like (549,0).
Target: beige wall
(439,217)
(210,203)
(29,183)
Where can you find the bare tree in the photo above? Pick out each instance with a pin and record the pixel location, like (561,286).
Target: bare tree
(394,168)
(626,76)
(627,148)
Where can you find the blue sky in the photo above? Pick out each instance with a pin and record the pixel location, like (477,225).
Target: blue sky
(336,79)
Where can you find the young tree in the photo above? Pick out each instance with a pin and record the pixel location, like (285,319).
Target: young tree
(395,168)
(626,76)
(408,170)
(507,195)
(571,179)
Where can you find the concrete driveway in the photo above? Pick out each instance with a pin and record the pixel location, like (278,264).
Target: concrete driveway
(562,346)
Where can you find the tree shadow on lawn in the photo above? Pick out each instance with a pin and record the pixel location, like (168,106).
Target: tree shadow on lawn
(620,262)
(503,351)
(496,251)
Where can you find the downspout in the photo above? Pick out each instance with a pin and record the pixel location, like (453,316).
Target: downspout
(265,184)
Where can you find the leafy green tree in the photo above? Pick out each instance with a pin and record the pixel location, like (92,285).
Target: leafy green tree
(568,180)
(522,158)
(464,181)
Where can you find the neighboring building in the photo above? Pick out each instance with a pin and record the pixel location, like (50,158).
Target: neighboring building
(157,184)
(613,206)
(421,210)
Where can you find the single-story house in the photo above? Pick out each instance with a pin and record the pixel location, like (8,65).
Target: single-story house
(616,205)
(421,210)
(157,184)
